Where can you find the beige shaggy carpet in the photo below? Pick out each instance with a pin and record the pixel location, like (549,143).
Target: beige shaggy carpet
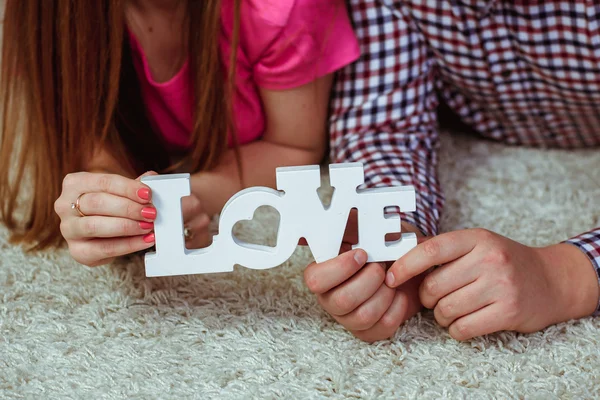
(70,332)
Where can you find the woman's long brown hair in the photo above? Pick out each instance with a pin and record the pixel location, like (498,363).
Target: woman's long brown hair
(68,86)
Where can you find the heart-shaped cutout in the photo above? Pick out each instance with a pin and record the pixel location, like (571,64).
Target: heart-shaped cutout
(261,230)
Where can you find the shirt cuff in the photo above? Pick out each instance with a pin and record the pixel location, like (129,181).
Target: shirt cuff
(589,243)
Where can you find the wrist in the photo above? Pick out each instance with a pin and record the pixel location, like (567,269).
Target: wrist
(574,279)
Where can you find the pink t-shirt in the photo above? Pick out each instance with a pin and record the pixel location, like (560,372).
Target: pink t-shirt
(283,44)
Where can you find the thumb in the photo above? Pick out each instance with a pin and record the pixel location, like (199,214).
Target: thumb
(148,173)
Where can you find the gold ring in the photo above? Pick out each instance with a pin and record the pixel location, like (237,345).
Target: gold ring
(187,233)
(76,206)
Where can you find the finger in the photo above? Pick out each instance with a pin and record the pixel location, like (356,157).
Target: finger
(401,309)
(448,278)
(84,182)
(99,251)
(423,239)
(324,276)
(369,312)
(347,297)
(109,205)
(198,223)
(191,207)
(482,322)
(104,227)
(200,240)
(462,302)
(149,173)
(438,250)
(198,227)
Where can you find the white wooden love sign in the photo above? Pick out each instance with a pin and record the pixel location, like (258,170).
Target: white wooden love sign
(302,215)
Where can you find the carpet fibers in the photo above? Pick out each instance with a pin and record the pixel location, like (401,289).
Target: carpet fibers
(71,332)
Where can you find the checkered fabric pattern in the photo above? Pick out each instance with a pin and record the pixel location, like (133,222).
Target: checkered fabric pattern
(520,72)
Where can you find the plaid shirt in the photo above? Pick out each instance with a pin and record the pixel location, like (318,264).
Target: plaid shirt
(520,72)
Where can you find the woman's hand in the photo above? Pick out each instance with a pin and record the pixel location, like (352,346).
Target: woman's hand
(116,216)
(488,283)
(196,223)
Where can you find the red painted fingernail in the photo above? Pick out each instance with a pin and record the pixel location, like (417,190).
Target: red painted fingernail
(144,193)
(149,238)
(146,225)
(149,213)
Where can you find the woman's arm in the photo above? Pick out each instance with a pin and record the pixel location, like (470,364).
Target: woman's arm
(295,135)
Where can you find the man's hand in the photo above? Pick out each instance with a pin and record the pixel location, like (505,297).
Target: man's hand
(488,283)
(356,295)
